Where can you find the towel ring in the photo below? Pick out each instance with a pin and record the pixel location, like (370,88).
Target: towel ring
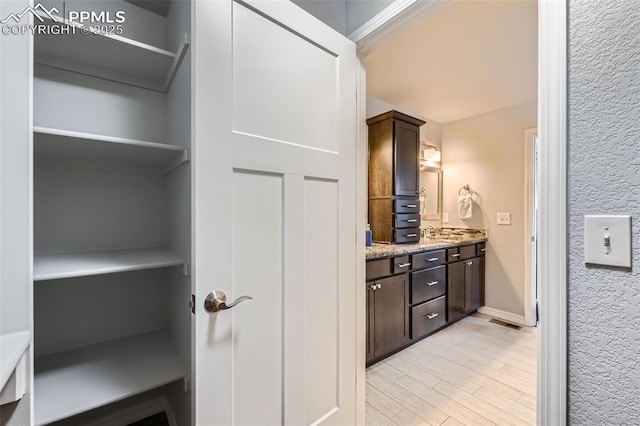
(465,188)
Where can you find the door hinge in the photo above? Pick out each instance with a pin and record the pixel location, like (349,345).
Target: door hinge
(192,304)
(186,382)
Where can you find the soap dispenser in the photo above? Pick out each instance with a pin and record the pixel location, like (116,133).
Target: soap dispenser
(368,238)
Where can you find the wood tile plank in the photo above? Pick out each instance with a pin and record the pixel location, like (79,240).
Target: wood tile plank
(523,413)
(373,417)
(426,410)
(447,405)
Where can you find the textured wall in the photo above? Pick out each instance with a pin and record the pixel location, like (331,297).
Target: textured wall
(604,177)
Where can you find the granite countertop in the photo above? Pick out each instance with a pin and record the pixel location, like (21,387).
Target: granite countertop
(379,251)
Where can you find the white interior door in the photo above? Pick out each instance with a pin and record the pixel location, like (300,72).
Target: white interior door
(275,216)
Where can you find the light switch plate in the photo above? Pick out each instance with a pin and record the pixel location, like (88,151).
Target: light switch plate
(445,217)
(600,230)
(504,219)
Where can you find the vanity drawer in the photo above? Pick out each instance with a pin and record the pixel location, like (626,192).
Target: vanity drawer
(428,317)
(406,220)
(428,284)
(428,260)
(401,264)
(378,268)
(461,253)
(408,235)
(480,249)
(406,206)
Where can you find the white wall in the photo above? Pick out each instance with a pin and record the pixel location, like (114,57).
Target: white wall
(487,152)
(603,178)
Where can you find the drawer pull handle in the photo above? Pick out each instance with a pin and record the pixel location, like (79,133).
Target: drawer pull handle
(431,316)
(373,286)
(430,283)
(432,259)
(455,255)
(411,220)
(378,285)
(482,250)
(403,265)
(411,235)
(410,206)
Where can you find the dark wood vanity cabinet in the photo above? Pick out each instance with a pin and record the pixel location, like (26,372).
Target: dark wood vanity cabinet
(387,315)
(411,296)
(394,143)
(465,282)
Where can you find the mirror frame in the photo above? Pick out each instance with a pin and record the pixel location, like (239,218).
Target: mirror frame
(438,171)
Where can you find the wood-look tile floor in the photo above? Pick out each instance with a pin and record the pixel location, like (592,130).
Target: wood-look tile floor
(471,373)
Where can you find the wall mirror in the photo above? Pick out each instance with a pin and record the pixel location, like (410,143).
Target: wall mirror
(430,193)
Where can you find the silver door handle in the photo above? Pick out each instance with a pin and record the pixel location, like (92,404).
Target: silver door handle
(217,301)
(411,220)
(403,265)
(455,255)
(483,250)
(411,206)
(431,316)
(432,259)
(411,235)
(430,283)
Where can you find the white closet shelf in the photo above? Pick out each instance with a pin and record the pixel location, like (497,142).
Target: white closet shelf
(71,382)
(91,149)
(56,266)
(109,56)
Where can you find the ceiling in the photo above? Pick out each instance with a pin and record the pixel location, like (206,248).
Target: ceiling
(474,57)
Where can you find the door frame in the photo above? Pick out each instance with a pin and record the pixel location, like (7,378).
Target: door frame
(529,227)
(552,234)
(552,242)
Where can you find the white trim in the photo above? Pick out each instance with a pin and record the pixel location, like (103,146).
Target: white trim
(361,220)
(503,315)
(396,17)
(552,233)
(529,228)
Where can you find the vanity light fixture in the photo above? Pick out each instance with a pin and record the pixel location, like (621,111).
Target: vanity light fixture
(430,154)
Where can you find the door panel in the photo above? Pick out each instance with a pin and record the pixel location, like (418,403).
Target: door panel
(407,139)
(391,314)
(257,271)
(294,71)
(455,290)
(274,162)
(321,298)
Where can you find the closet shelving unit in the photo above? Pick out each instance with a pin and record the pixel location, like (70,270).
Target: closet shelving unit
(72,382)
(71,265)
(109,56)
(77,380)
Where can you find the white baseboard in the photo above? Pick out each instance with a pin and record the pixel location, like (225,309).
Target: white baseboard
(503,315)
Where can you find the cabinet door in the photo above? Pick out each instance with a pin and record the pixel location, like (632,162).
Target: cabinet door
(473,283)
(456,290)
(407,144)
(391,314)
(371,286)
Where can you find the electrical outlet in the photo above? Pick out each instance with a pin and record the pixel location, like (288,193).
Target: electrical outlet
(504,218)
(445,217)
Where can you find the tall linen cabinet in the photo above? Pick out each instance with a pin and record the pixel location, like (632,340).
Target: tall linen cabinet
(112,220)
